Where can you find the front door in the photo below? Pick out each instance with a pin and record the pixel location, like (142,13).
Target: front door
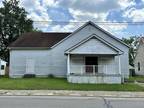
(91,64)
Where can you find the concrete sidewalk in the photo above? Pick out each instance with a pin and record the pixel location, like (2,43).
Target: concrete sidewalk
(71,93)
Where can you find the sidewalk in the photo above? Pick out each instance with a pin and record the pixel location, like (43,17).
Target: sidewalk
(71,93)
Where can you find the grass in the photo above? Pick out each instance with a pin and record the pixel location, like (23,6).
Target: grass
(62,84)
(136,78)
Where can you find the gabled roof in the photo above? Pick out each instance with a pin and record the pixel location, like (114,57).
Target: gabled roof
(100,39)
(50,40)
(38,39)
(96,26)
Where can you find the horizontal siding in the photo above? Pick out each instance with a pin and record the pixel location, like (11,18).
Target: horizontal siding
(93,46)
(55,57)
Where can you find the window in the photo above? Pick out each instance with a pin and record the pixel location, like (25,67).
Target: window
(138,66)
(2,67)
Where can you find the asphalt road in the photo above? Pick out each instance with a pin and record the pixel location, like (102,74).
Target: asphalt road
(69,102)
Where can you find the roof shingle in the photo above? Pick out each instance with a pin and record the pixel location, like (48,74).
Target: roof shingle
(39,39)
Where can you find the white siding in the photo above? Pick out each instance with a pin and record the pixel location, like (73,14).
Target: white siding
(83,34)
(76,64)
(95,79)
(93,46)
(109,64)
(139,59)
(19,58)
(106,64)
(54,61)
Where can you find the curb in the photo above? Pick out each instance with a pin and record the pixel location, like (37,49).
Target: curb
(115,94)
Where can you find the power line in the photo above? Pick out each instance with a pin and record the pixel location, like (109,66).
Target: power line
(81,22)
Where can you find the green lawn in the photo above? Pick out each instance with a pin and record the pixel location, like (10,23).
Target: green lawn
(136,78)
(62,84)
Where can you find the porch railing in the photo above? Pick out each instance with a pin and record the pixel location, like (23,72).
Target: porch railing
(93,70)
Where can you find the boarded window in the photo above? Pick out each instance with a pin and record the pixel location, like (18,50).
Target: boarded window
(30,66)
(138,66)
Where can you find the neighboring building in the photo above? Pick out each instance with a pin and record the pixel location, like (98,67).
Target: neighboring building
(2,67)
(139,58)
(88,55)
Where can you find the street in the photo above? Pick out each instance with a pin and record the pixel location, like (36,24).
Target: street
(69,102)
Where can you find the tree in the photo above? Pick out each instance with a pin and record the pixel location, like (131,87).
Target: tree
(13,22)
(132,42)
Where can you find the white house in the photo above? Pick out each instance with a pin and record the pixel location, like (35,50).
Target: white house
(88,55)
(2,67)
(139,58)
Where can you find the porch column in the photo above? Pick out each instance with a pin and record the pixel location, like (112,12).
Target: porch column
(68,64)
(119,65)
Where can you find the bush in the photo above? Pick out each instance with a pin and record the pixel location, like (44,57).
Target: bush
(29,76)
(50,76)
(132,72)
(4,76)
(128,80)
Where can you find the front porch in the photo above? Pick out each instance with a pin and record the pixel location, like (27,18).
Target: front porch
(94,60)
(85,68)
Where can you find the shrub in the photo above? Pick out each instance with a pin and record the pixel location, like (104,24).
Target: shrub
(29,76)
(4,76)
(50,76)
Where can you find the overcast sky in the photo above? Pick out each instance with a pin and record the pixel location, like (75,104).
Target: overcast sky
(69,11)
